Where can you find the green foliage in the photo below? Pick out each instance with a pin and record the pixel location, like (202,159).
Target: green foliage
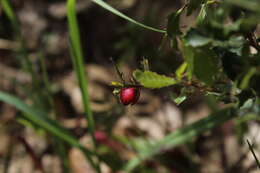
(178,100)
(9,12)
(173,25)
(195,39)
(217,61)
(245,82)
(181,70)
(153,80)
(202,14)
(253,5)
(193,5)
(205,65)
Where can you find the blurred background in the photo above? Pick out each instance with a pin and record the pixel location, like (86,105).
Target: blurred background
(25,148)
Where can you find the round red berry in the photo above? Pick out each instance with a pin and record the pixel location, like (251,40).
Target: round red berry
(129,95)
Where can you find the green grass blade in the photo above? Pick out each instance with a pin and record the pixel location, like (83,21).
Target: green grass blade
(77,58)
(118,13)
(37,117)
(252,151)
(21,51)
(47,85)
(9,12)
(63,155)
(181,136)
(79,67)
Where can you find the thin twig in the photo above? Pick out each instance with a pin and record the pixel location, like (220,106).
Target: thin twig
(120,74)
(252,151)
(36,160)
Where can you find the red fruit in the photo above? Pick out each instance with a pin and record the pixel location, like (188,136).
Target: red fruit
(129,95)
(100,136)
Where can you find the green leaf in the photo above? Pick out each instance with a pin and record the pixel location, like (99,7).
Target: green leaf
(118,13)
(202,62)
(180,70)
(253,5)
(173,24)
(193,5)
(179,99)
(247,77)
(195,39)
(153,80)
(235,44)
(202,15)
(182,136)
(189,58)
(205,65)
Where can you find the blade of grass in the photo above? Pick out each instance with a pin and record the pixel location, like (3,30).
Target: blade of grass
(47,85)
(61,151)
(181,136)
(78,64)
(37,117)
(252,151)
(77,58)
(118,13)
(63,154)
(21,51)
(9,12)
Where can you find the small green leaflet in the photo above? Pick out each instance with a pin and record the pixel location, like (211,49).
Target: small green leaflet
(194,38)
(153,80)
(180,70)
(187,52)
(202,15)
(179,100)
(201,59)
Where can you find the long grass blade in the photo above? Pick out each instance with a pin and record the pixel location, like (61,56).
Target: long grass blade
(78,65)
(9,12)
(118,13)
(21,51)
(77,58)
(181,136)
(38,118)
